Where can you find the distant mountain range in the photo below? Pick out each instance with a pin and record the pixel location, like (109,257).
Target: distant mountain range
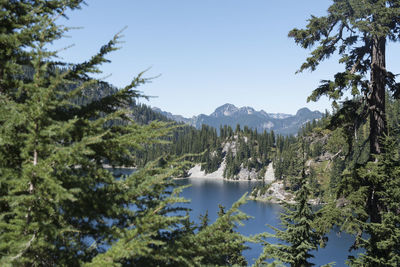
(231,115)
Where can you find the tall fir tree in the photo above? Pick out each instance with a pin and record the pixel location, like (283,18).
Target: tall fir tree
(59,204)
(219,244)
(298,235)
(381,244)
(358,31)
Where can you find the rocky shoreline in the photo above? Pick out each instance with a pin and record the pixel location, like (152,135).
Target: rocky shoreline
(275,193)
(243,175)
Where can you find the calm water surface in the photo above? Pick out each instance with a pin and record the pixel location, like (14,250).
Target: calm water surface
(206,194)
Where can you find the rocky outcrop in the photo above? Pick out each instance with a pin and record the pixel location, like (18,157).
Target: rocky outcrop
(196,172)
(244,174)
(269,176)
(274,193)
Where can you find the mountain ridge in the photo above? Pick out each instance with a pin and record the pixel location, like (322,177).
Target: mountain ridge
(229,114)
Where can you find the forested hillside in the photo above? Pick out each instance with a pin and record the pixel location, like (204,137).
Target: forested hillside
(327,150)
(237,149)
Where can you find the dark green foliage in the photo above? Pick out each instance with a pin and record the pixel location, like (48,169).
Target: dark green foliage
(232,165)
(62,206)
(314,185)
(358,32)
(351,29)
(216,244)
(143,114)
(316,149)
(225,132)
(252,149)
(20,23)
(286,162)
(382,247)
(260,189)
(336,173)
(237,129)
(204,221)
(59,203)
(380,240)
(183,140)
(298,235)
(212,161)
(393,116)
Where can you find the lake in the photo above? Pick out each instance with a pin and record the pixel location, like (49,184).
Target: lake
(206,194)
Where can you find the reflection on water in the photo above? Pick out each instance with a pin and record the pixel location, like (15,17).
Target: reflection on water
(206,194)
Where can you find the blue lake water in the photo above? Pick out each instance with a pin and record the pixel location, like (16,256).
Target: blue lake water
(206,194)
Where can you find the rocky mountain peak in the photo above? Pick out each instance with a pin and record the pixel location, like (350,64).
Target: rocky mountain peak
(303,111)
(264,113)
(225,110)
(231,115)
(247,110)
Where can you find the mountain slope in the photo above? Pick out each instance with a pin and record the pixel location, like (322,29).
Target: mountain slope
(231,115)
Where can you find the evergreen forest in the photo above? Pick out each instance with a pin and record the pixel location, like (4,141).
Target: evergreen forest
(62,133)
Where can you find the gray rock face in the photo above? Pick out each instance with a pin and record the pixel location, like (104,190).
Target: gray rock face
(231,115)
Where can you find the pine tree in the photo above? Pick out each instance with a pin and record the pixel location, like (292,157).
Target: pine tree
(298,232)
(204,220)
(59,204)
(383,246)
(216,244)
(358,31)
(20,23)
(224,244)
(299,236)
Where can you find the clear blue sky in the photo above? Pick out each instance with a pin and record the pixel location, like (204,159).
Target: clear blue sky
(208,52)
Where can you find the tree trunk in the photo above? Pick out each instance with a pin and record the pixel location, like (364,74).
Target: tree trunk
(378,124)
(378,127)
